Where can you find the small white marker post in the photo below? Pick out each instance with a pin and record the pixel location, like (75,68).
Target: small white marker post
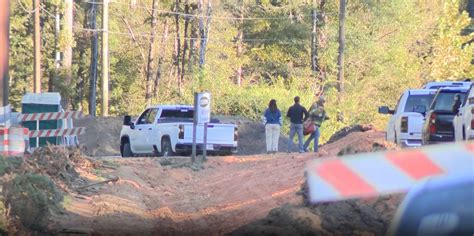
(202,116)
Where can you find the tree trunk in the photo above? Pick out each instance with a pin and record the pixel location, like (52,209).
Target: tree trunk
(92,14)
(4,49)
(161,52)
(201,31)
(340,58)
(240,36)
(192,47)
(314,42)
(177,47)
(37,47)
(185,40)
(57,54)
(67,55)
(149,69)
(105,58)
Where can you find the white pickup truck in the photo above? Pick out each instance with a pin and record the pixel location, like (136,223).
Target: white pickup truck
(168,129)
(405,125)
(463,122)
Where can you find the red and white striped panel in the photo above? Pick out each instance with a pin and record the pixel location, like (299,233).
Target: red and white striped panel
(373,174)
(51,116)
(56,132)
(13,141)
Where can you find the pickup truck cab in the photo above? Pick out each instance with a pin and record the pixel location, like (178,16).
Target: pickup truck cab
(438,125)
(464,121)
(168,129)
(405,125)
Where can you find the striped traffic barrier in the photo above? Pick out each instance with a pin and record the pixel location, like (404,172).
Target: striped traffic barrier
(56,132)
(13,141)
(373,174)
(50,116)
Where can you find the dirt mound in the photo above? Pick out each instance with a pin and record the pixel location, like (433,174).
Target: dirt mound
(102,135)
(351,217)
(251,136)
(347,130)
(357,142)
(63,165)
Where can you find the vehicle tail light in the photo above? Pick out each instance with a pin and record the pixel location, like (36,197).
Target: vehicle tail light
(236,134)
(472,124)
(404,124)
(181,132)
(472,110)
(432,124)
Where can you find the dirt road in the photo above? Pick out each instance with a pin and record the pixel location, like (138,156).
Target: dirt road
(227,193)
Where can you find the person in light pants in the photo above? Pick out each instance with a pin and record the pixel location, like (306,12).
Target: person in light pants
(272,120)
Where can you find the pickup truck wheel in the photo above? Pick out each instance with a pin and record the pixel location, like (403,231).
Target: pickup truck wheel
(127,151)
(166,149)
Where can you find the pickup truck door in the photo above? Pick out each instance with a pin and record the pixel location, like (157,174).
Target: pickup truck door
(142,128)
(149,131)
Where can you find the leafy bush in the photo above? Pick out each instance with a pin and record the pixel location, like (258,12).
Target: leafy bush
(33,198)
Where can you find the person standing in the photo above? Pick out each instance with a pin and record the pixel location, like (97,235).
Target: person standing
(297,115)
(317,114)
(272,120)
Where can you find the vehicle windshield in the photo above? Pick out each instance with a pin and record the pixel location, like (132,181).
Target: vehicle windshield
(445,101)
(418,100)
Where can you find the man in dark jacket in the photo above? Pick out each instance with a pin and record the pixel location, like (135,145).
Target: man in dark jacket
(297,115)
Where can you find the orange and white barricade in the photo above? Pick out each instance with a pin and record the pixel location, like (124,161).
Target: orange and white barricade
(13,141)
(373,174)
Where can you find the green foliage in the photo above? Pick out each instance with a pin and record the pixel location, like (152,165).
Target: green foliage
(391,46)
(33,198)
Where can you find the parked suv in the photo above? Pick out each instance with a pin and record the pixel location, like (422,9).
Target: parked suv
(438,125)
(405,125)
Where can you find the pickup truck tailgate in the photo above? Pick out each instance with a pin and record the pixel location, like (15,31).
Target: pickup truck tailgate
(415,122)
(216,133)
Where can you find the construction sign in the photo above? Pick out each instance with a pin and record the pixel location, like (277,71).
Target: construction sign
(373,174)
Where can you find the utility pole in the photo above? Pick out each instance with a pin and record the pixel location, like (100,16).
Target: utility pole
(105,59)
(342,43)
(4,50)
(37,46)
(57,53)
(67,55)
(92,15)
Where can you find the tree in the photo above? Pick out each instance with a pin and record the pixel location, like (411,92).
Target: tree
(151,44)
(92,17)
(342,44)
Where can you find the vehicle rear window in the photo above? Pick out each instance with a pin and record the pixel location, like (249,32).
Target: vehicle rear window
(417,100)
(181,114)
(445,101)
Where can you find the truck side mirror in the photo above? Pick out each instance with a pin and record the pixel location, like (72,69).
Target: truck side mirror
(127,120)
(419,109)
(385,110)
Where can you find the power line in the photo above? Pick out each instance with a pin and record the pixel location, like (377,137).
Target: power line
(290,17)
(146,35)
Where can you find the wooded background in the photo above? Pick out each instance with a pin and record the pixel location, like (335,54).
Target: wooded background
(244,52)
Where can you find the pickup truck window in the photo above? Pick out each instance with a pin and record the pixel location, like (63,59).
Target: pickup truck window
(418,100)
(147,117)
(445,101)
(183,113)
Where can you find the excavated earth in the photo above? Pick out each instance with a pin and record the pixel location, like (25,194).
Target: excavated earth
(240,195)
